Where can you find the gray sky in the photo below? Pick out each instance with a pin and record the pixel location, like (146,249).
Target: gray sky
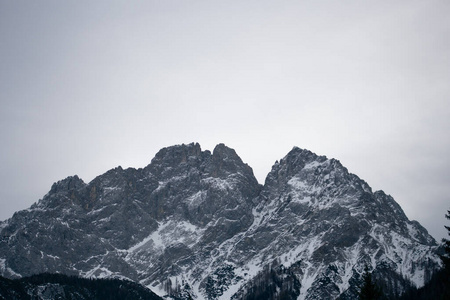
(86,86)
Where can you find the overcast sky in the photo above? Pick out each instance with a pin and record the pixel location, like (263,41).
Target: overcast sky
(86,86)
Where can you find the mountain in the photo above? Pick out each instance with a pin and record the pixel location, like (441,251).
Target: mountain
(197,224)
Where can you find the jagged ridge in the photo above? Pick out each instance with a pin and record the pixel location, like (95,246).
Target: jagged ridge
(199,224)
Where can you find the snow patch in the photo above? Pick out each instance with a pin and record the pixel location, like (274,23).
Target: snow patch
(3,225)
(197,199)
(4,269)
(51,256)
(413,233)
(2,264)
(162,184)
(93,212)
(154,238)
(158,290)
(312,165)
(218,183)
(102,272)
(307,280)
(297,183)
(169,233)
(302,187)
(111,188)
(232,289)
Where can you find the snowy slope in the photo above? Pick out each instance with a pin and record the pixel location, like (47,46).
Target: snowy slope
(197,224)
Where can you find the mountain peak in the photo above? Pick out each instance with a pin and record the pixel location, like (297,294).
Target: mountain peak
(179,152)
(225,161)
(304,156)
(226,154)
(196,225)
(69,183)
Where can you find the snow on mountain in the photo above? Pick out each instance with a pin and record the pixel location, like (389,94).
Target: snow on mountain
(196,224)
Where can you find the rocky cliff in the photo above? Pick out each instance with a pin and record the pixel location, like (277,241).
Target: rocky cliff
(197,224)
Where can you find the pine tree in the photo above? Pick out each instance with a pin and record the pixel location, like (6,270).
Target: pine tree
(438,288)
(446,257)
(446,260)
(369,290)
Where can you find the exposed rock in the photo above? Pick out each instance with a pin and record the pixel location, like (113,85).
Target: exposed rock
(196,224)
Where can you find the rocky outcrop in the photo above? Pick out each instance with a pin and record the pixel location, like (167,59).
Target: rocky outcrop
(197,224)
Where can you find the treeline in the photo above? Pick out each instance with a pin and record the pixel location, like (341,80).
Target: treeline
(59,286)
(178,290)
(274,282)
(438,288)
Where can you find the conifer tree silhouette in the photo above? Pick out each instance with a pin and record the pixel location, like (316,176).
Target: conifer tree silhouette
(369,290)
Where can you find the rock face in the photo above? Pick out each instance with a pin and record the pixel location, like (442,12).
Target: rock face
(196,224)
